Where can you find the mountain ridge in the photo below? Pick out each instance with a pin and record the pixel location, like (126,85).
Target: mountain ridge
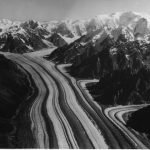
(25,35)
(118,57)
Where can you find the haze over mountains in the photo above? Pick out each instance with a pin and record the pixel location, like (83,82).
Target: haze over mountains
(20,37)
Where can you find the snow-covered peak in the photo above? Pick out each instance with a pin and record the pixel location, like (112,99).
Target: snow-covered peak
(5,21)
(131,24)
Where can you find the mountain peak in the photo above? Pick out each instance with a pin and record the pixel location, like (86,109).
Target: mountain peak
(132,24)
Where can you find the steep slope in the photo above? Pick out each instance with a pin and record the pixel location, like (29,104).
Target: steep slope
(121,64)
(24,38)
(123,70)
(14,89)
(27,37)
(90,44)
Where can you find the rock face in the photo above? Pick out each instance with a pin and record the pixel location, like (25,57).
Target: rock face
(130,26)
(115,56)
(25,37)
(57,40)
(123,70)
(123,73)
(14,89)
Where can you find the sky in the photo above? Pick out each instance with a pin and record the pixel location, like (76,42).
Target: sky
(47,10)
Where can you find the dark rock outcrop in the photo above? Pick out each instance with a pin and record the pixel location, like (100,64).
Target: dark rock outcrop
(139,121)
(14,89)
(57,40)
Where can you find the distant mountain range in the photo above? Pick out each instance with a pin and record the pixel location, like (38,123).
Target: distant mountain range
(20,37)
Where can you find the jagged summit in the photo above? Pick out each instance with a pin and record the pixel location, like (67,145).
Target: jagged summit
(59,33)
